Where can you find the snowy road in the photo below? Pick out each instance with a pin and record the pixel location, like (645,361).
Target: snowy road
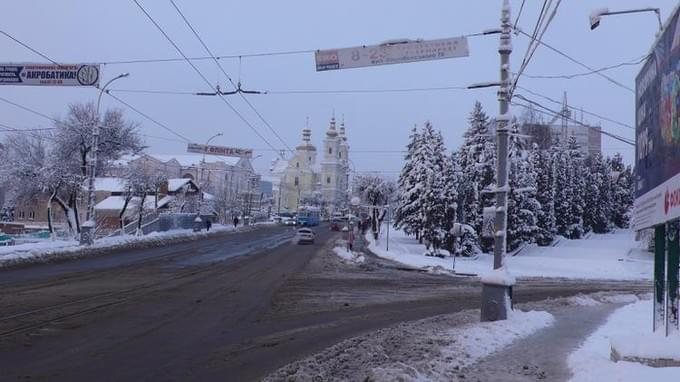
(178,313)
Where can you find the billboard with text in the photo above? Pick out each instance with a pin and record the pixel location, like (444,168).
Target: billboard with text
(657,131)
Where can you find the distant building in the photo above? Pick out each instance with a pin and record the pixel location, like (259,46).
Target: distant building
(589,138)
(304,181)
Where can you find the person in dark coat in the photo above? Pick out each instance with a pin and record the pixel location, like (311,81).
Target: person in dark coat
(235,221)
(208,224)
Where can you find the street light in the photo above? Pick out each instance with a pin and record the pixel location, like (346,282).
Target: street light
(596,15)
(88,229)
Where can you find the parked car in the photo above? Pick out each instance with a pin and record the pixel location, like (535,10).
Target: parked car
(304,236)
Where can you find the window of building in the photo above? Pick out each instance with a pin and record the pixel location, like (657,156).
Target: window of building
(328,180)
(310,159)
(340,154)
(297,181)
(31,215)
(297,164)
(330,150)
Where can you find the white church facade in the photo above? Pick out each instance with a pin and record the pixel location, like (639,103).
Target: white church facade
(316,177)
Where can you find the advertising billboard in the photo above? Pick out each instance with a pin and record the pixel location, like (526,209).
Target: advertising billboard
(657,131)
(49,74)
(220,150)
(391,53)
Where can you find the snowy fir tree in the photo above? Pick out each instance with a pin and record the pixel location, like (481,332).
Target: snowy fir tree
(477,161)
(597,195)
(523,207)
(621,191)
(407,211)
(545,195)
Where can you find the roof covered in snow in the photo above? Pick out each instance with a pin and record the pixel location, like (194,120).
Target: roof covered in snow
(113,185)
(175,184)
(116,203)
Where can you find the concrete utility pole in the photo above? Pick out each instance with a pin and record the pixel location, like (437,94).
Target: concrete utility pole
(496,295)
(88,229)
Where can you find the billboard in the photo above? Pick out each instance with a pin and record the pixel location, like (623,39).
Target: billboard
(49,74)
(657,131)
(219,150)
(391,53)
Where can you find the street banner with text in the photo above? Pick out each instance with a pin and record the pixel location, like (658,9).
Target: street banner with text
(391,53)
(219,150)
(31,74)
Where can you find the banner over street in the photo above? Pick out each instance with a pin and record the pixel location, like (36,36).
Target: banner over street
(391,53)
(32,74)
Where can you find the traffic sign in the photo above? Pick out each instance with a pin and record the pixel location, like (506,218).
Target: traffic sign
(395,52)
(219,150)
(49,74)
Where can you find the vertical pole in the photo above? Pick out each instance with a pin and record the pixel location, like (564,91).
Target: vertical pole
(497,298)
(659,276)
(673,262)
(504,49)
(389,218)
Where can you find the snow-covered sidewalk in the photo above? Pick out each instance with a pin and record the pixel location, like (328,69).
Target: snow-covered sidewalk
(591,362)
(65,249)
(615,256)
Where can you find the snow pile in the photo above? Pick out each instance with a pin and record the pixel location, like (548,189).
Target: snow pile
(614,256)
(500,276)
(466,345)
(50,250)
(349,256)
(592,361)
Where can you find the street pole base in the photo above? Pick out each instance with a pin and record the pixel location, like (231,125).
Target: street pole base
(86,235)
(495,301)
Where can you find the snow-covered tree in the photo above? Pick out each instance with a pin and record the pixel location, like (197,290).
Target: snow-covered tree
(376,192)
(407,211)
(621,192)
(477,161)
(140,184)
(597,195)
(545,195)
(523,207)
(433,195)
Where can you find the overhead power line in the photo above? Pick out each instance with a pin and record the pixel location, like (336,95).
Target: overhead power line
(634,62)
(205,58)
(557,113)
(572,59)
(306,91)
(219,65)
(179,50)
(626,125)
(29,47)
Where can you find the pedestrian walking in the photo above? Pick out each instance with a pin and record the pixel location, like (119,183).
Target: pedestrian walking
(208,224)
(235,221)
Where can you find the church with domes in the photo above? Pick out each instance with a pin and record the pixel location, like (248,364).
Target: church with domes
(317,177)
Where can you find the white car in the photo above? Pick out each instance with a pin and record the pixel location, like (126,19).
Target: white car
(304,236)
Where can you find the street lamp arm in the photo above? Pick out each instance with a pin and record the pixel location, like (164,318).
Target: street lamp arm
(596,15)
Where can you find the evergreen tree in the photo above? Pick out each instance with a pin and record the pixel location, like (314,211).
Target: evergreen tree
(406,213)
(433,160)
(523,207)
(621,192)
(545,195)
(597,195)
(477,158)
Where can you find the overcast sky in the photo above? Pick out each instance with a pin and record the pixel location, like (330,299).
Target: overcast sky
(72,31)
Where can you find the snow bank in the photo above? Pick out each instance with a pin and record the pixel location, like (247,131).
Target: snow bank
(466,345)
(53,250)
(615,256)
(348,256)
(591,362)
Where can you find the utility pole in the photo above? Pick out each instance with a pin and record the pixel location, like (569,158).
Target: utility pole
(495,297)
(88,230)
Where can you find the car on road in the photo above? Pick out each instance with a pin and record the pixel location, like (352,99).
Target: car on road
(304,236)
(336,224)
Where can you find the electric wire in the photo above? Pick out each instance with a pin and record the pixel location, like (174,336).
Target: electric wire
(179,50)
(519,14)
(557,113)
(570,58)
(219,65)
(29,47)
(626,125)
(634,62)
